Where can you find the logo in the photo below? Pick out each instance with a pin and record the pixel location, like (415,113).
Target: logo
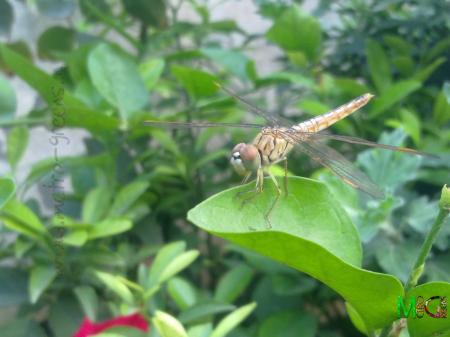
(434,307)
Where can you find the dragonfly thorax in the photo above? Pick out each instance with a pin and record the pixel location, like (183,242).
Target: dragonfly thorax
(245,158)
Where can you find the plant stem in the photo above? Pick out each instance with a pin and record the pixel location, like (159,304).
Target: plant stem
(419,265)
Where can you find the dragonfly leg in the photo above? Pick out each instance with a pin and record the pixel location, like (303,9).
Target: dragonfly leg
(267,215)
(247,176)
(255,191)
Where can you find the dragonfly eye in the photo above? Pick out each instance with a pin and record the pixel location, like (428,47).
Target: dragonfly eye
(236,155)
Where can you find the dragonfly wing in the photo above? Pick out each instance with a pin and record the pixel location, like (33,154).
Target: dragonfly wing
(336,162)
(360,141)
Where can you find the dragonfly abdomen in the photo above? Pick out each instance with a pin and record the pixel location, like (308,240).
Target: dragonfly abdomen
(322,122)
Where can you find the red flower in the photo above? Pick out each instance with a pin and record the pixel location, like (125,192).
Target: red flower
(89,328)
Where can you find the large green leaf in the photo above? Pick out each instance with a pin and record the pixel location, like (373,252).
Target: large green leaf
(428,326)
(152,12)
(116,77)
(296,31)
(67,110)
(310,232)
(55,42)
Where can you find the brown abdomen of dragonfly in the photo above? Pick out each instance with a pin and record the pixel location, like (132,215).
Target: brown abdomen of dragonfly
(271,147)
(322,122)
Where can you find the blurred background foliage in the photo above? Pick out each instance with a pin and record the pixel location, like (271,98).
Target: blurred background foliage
(115,238)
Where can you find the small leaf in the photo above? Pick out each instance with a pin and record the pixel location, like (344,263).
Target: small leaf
(233,284)
(109,227)
(114,284)
(7,189)
(55,43)
(57,9)
(89,301)
(231,60)
(77,237)
(6,17)
(95,204)
(152,12)
(182,292)
(116,77)
(8,101)
(168,326)
(178,264)
(151,71)
(299,323)
(203,311)
(16,142)
(379,66)
(165,255)
(196,82)
(127,196)
(232,320)
(295,30)
(40,278)
(393,95)
(423,74)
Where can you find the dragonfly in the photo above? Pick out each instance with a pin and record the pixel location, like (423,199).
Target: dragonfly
(276,140)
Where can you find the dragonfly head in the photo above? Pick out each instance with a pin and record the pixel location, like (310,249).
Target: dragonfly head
(245,158)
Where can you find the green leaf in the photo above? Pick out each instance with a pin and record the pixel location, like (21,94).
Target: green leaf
(198,83)
(168,326)
(179,263)
(16,142)
(200,330)
(423,74)
(95,204)
(114,284)
(428,326)
(67,110)
(7,189)
(165,255)
(115,75)
(379,66)
(441,108)
(17,216)
(391,96)
(55,42)
(22,327)
(152,12)
(300,324)
(8,101)
(233,284)
(305,235)
(297,31)
(127,196)
(446,90)
(182,292)
(356,319)
(65,315)
(108,227)
(203,311)
(76,237)
(233,61)
(88,300)
(232,320)
(151,70)
(40,279)
(57,9)
(6,17)
(13,287)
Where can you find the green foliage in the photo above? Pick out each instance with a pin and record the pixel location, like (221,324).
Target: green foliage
(114,238)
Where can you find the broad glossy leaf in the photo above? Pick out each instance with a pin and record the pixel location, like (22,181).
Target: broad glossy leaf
(16,143)
(379,66)
(41,277)
(57,9)
(8,101)
(55,42)
(197,83)
(232,320)
(428,326)
(310,232)
(67,110)
(233,283)
(116,77)
(295,30)
(7,189)
(391,96)
(6,17)
(168,326)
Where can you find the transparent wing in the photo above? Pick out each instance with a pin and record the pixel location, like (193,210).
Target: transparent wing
(181,125)
(360,141)
(336,162)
